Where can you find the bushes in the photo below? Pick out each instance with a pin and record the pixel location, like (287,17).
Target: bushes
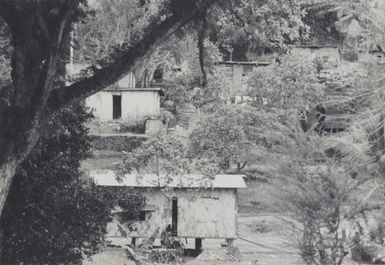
(232,136)
(117,142)
(137,126)
(51,216)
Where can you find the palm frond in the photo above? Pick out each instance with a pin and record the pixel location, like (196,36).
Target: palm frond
(357,154)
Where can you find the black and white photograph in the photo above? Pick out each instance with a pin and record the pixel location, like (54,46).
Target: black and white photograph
(192,132)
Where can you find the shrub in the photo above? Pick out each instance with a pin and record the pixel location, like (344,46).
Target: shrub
(117,142)
(51,216)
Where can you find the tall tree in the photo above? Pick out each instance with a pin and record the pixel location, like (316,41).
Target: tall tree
(360,22)
(51,215)
(235,136)
(38,31)
(165,156)
(257,26)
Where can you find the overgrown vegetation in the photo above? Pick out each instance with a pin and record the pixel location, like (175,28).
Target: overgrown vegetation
(165,156)
(322,176)
(323,195)
(52,215)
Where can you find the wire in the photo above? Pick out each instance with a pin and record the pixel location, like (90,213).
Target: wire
(260,245)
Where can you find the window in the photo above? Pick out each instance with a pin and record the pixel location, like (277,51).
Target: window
(116,107)
(158,74)
(127,216)
(174,216)
(246,70)
(141,216)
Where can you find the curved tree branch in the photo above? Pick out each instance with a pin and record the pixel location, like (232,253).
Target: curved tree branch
(34,70)
(113,72)
(155,35)
(201,37)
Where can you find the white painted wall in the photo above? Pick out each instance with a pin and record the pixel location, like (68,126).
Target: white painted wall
(136,104)
(128,81)
(202,213)
(209,215)
(101,105)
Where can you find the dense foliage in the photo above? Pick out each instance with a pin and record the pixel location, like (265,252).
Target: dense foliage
(246,26)
(292,85)
(47,189)
(39,33)
(114,25)
(321,193)
(52,216)
(165,156)
(233,135)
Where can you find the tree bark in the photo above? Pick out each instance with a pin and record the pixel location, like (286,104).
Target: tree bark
(7,171)
(241,166)
(35,59)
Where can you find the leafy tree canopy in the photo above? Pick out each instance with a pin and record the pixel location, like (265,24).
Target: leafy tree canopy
(360,23)
(39,33)
(234,135)
(165,156)
(51,215)
(248,25)
(291,85)
(54,215)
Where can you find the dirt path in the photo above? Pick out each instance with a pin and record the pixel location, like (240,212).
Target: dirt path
(263,239)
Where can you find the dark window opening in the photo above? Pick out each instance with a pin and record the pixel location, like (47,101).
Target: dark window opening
(246,70)
(127,216)
(158,74)
(174,217)
(142,216)
(116,107)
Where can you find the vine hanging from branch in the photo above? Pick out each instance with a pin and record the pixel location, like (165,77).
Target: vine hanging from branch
(201,38)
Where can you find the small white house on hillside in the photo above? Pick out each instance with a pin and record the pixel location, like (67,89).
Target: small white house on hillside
(121,101)
(125,103)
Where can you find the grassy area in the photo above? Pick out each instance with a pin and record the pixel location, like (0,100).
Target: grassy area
(102,159)
(109,256)
(259,197)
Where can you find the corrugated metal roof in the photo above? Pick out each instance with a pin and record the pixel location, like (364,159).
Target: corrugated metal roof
(245,63)
(129,89)
(312,46)
(108,178)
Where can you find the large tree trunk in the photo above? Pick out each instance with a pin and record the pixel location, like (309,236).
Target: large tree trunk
(34,63)
(7,171)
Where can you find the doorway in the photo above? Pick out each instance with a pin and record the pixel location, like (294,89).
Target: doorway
(116,107)
(174,216)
